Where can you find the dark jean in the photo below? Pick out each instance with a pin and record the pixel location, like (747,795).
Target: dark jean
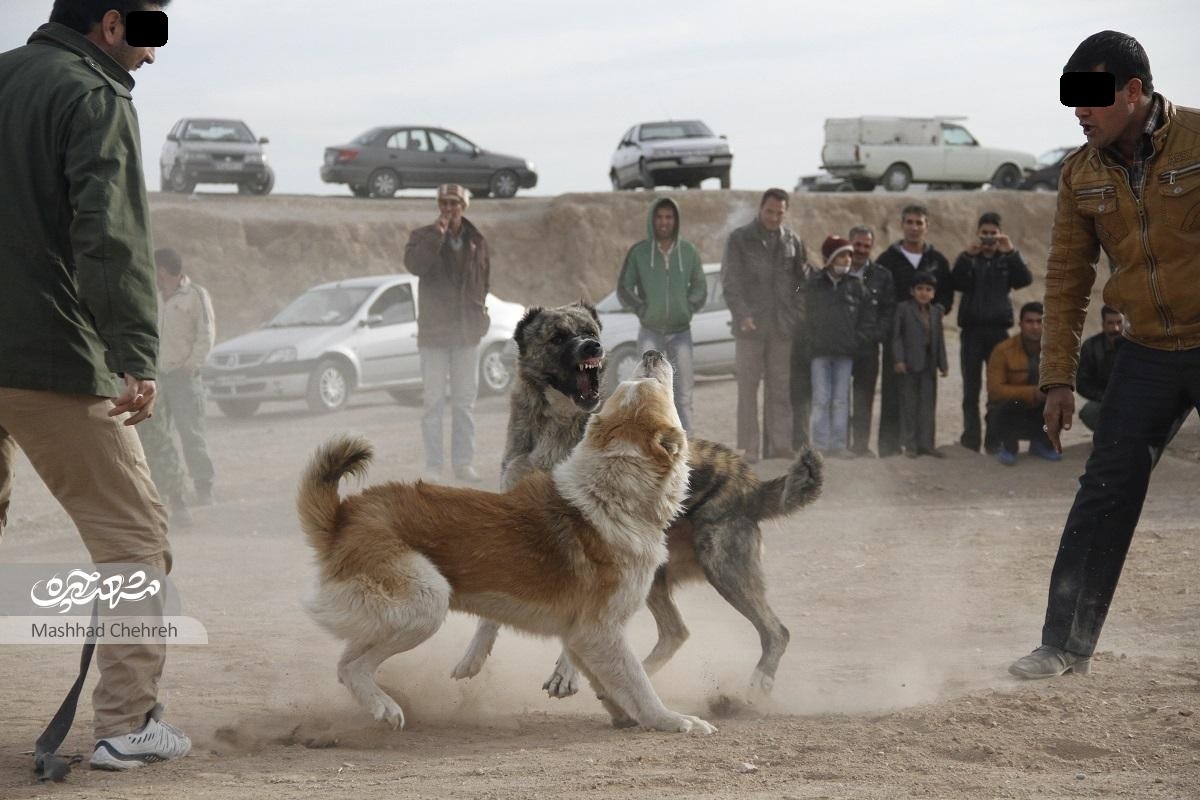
(975,345)
(1149,395)
(1010,422)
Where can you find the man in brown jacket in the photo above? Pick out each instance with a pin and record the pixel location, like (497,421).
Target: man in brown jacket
(1015,403)
(451,259)
(1133,190)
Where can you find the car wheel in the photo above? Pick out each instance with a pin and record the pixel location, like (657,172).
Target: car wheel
(263,185)
(238,409)
(725,179)
(1007,177)
(896,178)
(495,376)
(329,387)
(621,364)
(383,183)
(504,183)
(862,184)
(646,177)
(616,182)
(180,183)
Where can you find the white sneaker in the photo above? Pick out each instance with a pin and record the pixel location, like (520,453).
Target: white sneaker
(156,741)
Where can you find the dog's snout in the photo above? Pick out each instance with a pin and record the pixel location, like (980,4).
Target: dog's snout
(590,348)
(652,357)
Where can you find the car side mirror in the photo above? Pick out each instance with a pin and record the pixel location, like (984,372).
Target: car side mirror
(372,321)
(172,137)
(264,140)
(723,136)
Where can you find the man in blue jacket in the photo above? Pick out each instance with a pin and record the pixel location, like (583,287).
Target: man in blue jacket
(78,324)
(662,281)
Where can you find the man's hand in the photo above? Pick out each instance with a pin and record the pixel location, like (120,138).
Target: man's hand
(138,399)
(443,224)
(901,368)
(748,325)
(945,373)
(1060,408)
(974,247)
(1003,243)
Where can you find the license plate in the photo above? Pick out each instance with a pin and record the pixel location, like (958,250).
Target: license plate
(226,380)
(695,160)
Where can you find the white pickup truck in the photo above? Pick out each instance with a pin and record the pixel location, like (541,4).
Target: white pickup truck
(897,151)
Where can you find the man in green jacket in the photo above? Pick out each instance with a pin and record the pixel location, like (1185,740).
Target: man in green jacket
(78,324)
(662,281)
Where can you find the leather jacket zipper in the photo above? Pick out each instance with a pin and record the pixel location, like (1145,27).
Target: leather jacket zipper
(1169,177)
(1145,236)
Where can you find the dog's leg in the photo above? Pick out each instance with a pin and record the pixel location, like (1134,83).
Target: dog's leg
(478,650)
(672,633)
(618,677)
(730,557)
(359,677)
(564,681)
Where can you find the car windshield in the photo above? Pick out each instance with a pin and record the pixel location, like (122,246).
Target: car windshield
(675,130)
(1052,157)
(368,137)
(332,306)
(217,130)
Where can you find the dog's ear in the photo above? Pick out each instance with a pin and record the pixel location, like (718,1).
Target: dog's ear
(519,334)
(671,440)
(591,309)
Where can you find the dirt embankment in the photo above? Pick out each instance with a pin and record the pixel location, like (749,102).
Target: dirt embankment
(255,254)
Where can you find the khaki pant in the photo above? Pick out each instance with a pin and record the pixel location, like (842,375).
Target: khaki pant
(94,467)
(764,359)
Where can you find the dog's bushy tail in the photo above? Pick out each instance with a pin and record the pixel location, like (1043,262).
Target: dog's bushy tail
(800,486)
(318,503)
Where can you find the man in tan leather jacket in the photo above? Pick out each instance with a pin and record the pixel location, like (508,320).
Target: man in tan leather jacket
(1133,190)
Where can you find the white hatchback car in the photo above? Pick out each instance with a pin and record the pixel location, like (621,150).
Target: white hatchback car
(353,335)
(712,335)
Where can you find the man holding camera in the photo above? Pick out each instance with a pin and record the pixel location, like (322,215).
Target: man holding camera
(985,273)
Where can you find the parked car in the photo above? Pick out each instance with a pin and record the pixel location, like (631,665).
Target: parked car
(670,154)
(1044,175)
(339,338)
(384,160)
(712,335)
(214,151)
(897,151)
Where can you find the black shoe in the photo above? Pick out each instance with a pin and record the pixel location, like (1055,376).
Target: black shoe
(933,453)
(912,453)
(1049,662)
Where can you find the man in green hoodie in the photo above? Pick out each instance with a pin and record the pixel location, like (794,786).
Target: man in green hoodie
(78,323)
(662,281)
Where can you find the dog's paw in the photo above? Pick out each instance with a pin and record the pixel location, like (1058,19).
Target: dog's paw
(562,683)
(469,667)
(385,709)
(683,723)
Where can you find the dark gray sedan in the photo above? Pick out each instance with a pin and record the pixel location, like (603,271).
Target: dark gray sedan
(382,161)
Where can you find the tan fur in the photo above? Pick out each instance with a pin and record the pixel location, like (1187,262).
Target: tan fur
(569,554)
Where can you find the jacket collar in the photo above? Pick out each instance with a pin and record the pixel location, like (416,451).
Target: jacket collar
(1166,114)
(61,36)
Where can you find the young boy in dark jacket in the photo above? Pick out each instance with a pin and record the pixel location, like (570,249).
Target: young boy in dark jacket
(841,323)
(918,348)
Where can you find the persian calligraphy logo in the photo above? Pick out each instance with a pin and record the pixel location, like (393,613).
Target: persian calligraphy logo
(80,588)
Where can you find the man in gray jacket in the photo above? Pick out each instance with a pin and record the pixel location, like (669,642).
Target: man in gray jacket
(763,273)
(78,324)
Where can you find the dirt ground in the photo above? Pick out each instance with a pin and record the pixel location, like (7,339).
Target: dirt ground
(907,588)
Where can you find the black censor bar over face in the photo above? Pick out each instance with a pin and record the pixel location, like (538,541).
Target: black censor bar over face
(1087,89)
(146,28)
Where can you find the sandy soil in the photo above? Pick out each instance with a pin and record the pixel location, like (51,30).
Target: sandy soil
(907,588)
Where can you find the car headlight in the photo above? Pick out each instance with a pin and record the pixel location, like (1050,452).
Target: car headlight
(529,165)
(256,158)
(282,354)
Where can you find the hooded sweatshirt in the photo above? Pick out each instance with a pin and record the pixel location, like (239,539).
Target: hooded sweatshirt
(663,290)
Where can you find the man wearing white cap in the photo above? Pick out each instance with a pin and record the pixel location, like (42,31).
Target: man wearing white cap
(451,259)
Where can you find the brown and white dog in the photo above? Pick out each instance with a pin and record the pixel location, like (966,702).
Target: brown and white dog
(569,554)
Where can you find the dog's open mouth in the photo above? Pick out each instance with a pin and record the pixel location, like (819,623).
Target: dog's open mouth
(587,382)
